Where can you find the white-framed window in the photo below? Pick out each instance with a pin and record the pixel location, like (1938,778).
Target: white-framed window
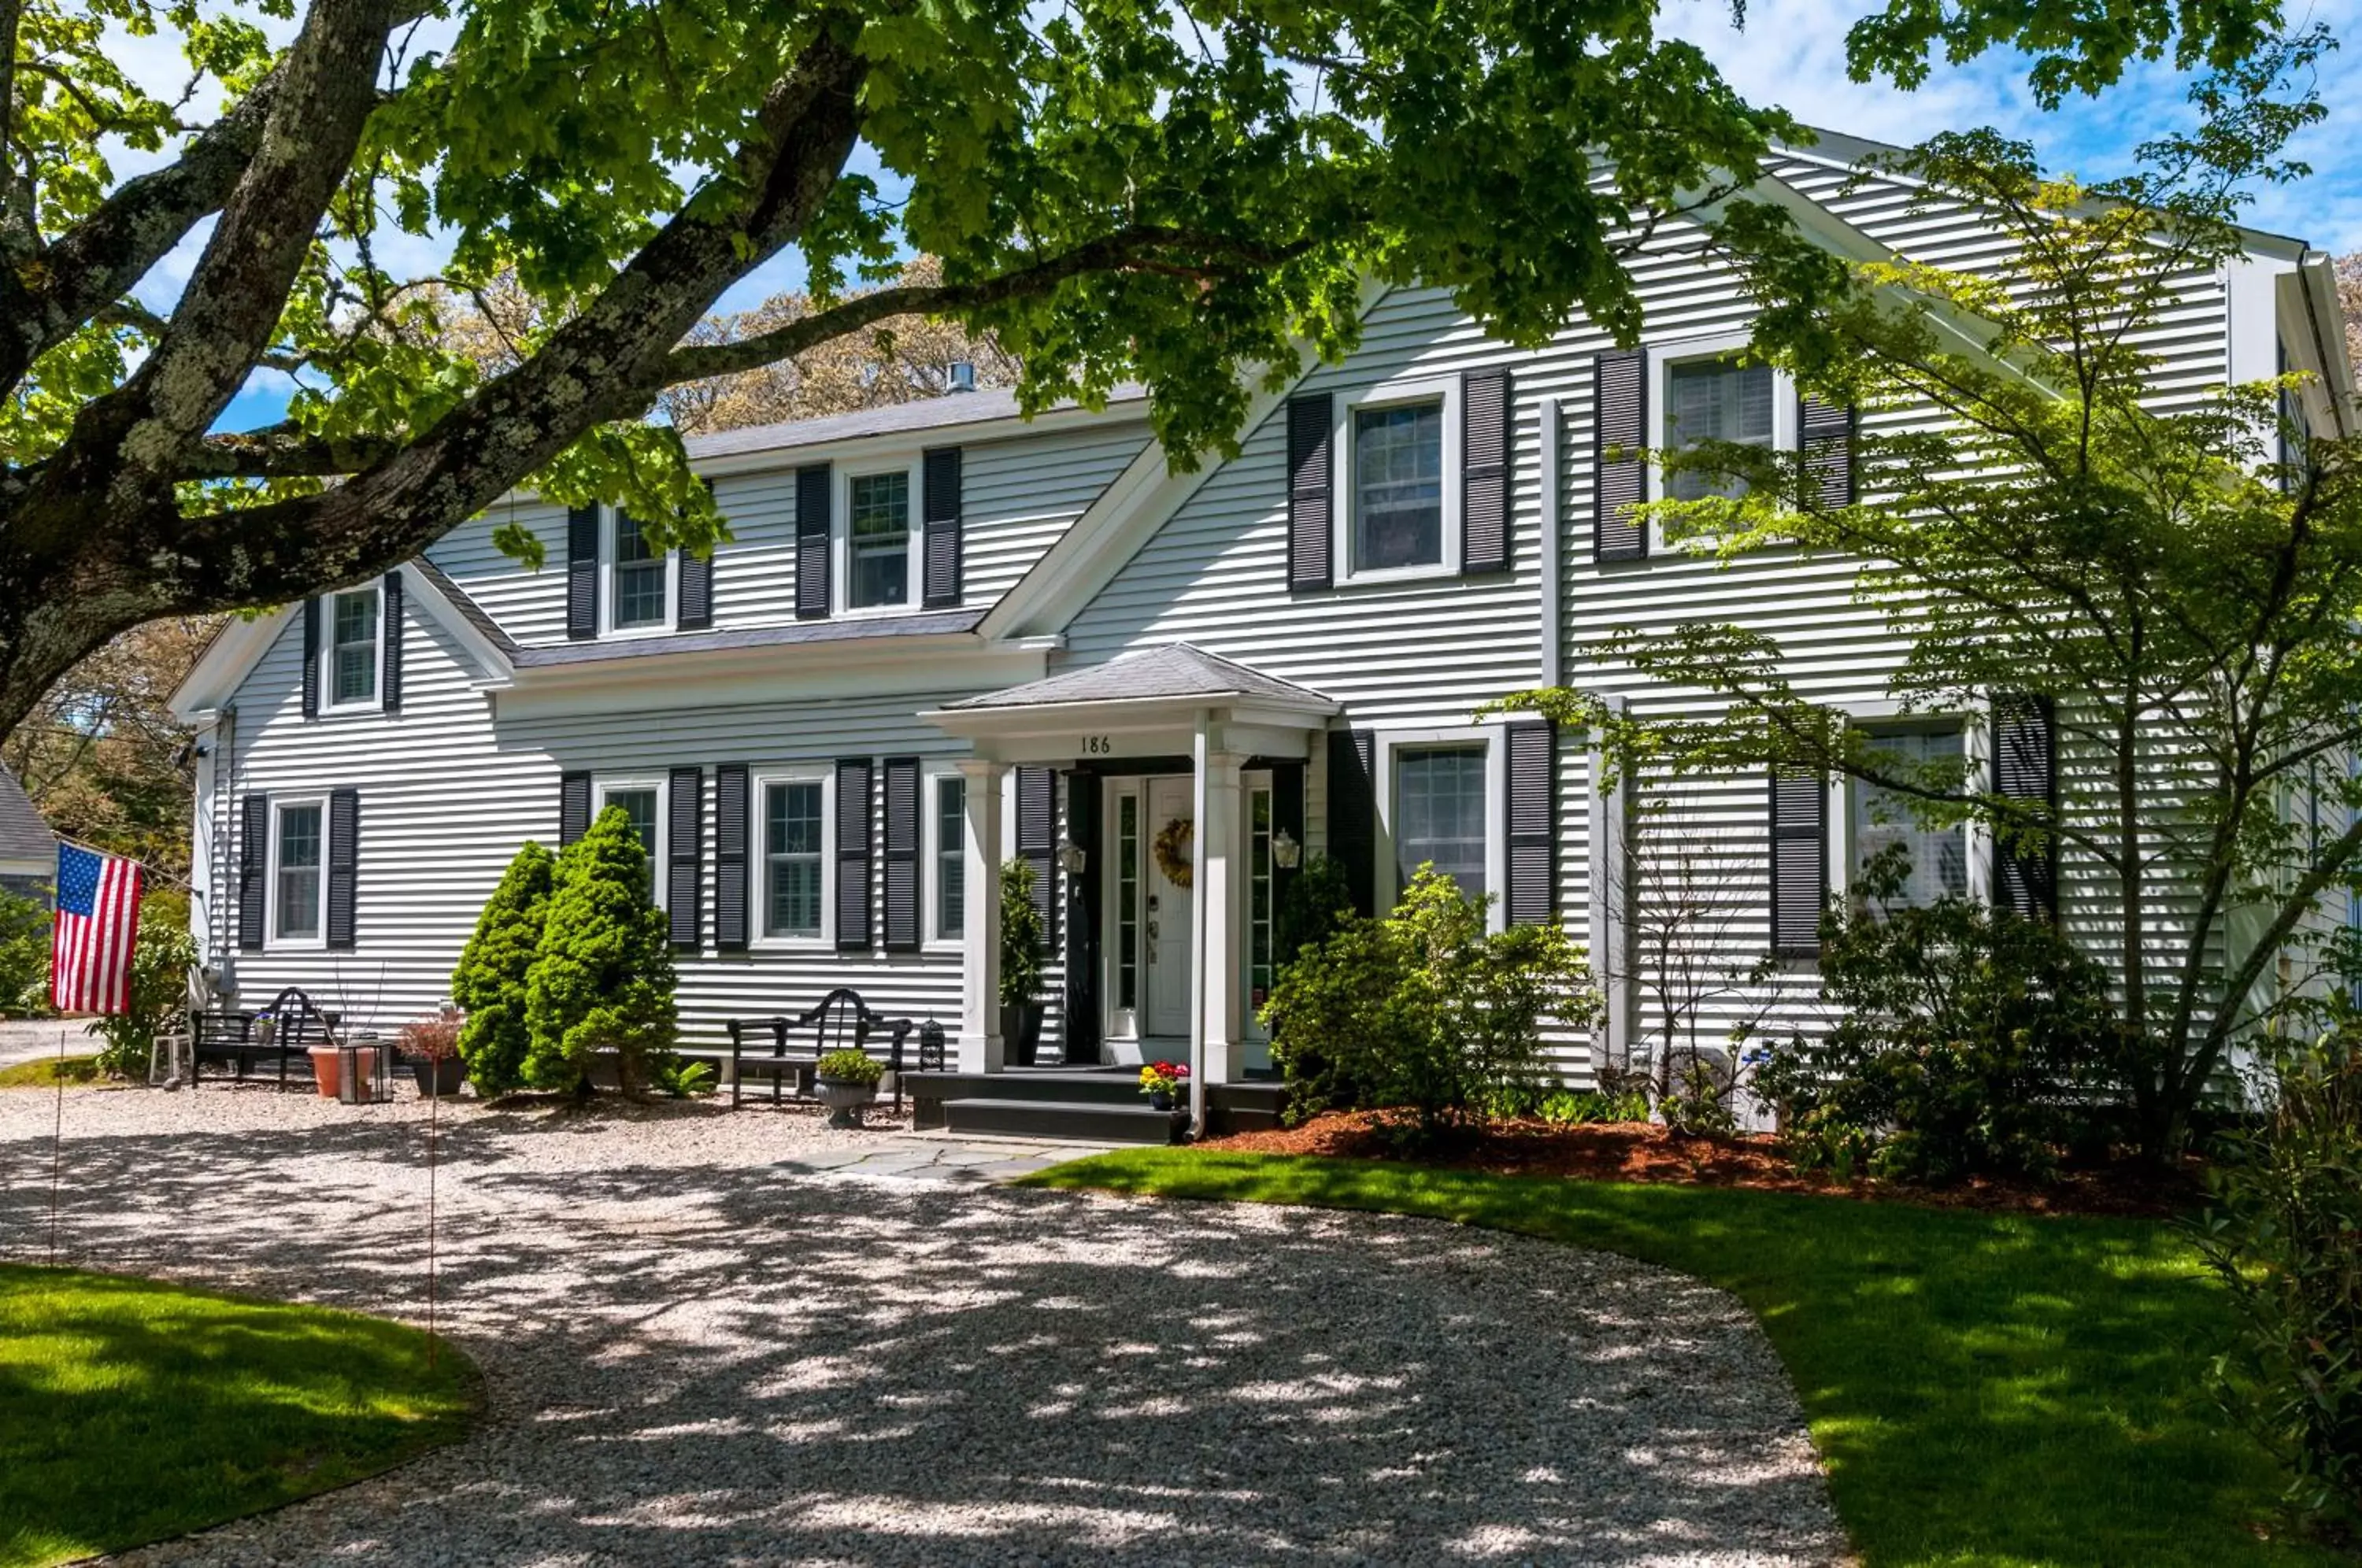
(643,801)
(641,585)
(947,849)
(1441,801)
(1397,482)
(299,872)
(792,900)
(1943,858)
(352,662)
(878,542)
(1698,391)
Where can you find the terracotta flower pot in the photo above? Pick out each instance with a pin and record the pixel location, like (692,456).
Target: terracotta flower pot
(324,1070)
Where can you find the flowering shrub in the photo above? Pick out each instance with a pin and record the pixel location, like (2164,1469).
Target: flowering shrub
(432,1039)
(1163,1077)
(852,1067)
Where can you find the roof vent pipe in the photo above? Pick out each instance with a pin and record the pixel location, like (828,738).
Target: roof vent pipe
(962,378)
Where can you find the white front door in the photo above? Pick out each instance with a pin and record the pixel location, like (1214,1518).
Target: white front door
(1166,920)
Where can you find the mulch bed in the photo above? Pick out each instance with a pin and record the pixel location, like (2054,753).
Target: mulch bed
(1642,1151)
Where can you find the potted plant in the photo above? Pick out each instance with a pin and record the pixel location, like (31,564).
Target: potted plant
(1020,962)
(431,1046)
(1161,1082)
(847,1080)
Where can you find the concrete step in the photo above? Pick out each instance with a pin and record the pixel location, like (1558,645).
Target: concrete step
(1069,1122)
(1118,1086)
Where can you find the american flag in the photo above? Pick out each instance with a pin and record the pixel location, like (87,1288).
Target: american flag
(98,921)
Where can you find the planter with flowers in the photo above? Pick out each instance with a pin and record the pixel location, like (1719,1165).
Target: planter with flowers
(847,1081)
(1161,1082)
(431,1046)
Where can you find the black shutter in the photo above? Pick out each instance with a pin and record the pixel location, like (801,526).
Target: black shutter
(1533,835)
(853,815)
(253,851)
(1619,424)
(389,627)
(1309,541)
(343,862)
(1354,812)
(2025,767)
(1800,861)
(901,933)
(940,493)
(582,572)
(731,806)
(1082,952)
(1037,826)
(1485,471)
(573,807)
(685,857)
(310,658)
(813,483)
(1825,434)
(696,592)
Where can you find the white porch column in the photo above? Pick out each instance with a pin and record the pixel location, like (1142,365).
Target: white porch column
(980,1045)
(1217,908)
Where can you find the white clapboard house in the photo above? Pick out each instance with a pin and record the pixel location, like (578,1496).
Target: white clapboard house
(941,635)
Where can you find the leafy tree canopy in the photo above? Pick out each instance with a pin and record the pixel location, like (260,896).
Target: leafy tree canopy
(1171,190)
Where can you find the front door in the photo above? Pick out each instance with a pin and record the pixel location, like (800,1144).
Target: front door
(1166,920)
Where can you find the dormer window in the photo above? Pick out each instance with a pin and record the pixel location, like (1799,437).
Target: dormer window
(353,653)
(641,577)
(878,536)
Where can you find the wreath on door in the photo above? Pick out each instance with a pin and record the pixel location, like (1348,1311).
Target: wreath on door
(1171,849)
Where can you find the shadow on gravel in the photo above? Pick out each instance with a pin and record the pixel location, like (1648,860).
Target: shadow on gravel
(739,1366)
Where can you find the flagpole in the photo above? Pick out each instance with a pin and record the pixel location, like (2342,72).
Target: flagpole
(147,870)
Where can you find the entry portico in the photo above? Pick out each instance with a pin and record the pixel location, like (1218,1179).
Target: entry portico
(1182,747)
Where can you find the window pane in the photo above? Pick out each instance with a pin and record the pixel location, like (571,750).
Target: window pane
(1127,901)
(1398,486)
(1440,814)
(299,871)
(791,859)
(951,858)
(1259,898)
(352,643)
(879,527)
(640,806)
(639,577)
(1714,399)
(1939,856)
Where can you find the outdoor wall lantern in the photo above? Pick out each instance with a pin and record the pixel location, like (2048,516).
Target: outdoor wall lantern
(1074,858)
(1284,851)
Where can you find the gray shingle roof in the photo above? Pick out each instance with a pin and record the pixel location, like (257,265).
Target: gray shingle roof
(754,637)
(926,414)
(1176,669)
(23,835)
(472,612)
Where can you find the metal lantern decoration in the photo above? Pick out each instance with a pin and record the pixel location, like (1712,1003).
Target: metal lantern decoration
(930,1046)
(1284,851)
(364,1071)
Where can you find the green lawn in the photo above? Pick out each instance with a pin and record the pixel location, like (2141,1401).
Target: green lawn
(1988,1389)
(131,1410)
(45,1071)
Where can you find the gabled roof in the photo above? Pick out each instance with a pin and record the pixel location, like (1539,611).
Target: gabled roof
(937,623)
(951,411)
(1176,669)
(24,837)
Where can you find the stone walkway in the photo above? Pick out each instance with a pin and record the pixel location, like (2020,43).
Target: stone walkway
(710,1338)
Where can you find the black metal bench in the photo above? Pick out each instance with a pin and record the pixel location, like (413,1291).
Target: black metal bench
(223,1035)
(841,1021)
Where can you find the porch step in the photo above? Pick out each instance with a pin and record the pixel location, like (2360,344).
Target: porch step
(1086,1086)
(1251,1107)
(1068,1121)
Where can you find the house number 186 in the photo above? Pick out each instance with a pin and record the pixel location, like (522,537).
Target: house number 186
(1098,745)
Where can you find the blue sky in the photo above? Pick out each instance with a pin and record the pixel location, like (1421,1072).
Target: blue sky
(1791,53)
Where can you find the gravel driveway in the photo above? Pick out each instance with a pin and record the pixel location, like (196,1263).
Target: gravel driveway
(703,1347)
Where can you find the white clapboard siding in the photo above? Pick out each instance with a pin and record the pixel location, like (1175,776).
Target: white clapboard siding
(447,796)
(1018,493)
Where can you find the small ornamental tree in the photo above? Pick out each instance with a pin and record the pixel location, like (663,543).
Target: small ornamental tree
(490,983)
(603,978)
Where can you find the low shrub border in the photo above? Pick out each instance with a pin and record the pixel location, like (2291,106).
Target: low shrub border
(133,1410)
(1984,1388)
